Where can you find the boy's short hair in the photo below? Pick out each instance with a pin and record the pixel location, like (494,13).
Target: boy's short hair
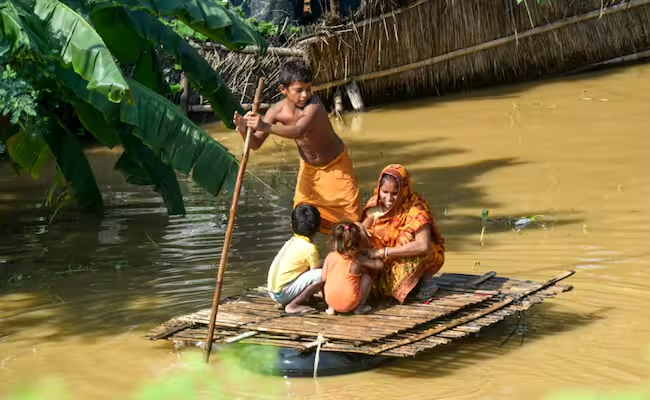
(295,70)
(305,220)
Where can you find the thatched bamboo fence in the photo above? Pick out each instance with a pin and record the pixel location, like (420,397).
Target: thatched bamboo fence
(435,47)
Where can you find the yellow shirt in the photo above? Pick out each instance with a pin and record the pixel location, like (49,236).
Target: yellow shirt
(296,256)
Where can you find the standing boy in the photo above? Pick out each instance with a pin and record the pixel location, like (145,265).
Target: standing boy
(326,178)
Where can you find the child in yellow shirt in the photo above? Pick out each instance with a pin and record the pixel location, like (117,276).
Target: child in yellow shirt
(295,274)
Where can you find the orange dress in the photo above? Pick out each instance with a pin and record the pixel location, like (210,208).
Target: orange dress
(342,288)
(398,226)
(331,188)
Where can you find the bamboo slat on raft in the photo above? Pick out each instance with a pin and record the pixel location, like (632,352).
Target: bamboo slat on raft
(398,330)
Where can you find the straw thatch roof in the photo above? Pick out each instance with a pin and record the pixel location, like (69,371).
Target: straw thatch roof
(432,47)
(443,31)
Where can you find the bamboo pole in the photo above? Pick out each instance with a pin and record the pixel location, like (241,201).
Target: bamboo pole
(274,51)
(208,108)
(229,228)
(470,317)
(481,279)
(185,96)
(485,46)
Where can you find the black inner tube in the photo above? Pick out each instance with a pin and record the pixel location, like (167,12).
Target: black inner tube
(292,363)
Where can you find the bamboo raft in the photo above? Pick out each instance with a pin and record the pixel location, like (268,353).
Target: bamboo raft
(463,305)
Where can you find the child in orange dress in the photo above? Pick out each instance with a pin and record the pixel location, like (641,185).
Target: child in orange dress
(347,271)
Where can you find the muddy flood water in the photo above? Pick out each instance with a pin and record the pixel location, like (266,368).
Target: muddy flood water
(79,294)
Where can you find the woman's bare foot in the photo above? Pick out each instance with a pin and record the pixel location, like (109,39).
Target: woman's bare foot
(363,309)
(330,311)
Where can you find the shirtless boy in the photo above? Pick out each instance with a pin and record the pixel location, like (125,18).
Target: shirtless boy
(326,179)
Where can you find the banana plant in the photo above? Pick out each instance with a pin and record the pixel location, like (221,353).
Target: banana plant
(72,57)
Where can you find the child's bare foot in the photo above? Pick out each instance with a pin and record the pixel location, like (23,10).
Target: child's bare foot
(363,309)
(330,311)
(300,310)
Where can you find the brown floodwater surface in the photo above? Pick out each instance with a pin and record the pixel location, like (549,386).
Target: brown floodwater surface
(79,294)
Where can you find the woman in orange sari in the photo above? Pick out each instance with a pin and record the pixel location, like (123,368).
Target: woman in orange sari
(403,232)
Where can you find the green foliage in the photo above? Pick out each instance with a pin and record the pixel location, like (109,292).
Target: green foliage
(29,150)
(82,49)
(19,99)
(141,166)
(145,29)
(184,31)
(208,17)
(265,29)
(62,80)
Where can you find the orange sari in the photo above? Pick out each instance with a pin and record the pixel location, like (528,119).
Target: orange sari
(398,226)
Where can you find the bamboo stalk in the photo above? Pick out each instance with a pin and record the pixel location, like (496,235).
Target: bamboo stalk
(231,223)
(242,336)
(481,279)
(471,317)
(185,96)
(274,51)
(485,46)
(169,332)
(208,108)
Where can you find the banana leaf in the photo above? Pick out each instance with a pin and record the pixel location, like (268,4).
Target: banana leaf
(148,71)
(18,30)
(140,26)
(29,151)
(208,17)
(142,167)
(165,129)
(94,121)
(83,49)
(75,168)
(69,81)
(115,28)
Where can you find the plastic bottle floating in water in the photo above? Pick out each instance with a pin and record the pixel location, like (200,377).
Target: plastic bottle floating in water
(542,221)
(521,223)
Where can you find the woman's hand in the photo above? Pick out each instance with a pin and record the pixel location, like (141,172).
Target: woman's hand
(376,253)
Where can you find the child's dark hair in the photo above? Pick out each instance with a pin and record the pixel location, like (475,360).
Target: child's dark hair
(305,220)
(386,178)
(346,238)
(294,70)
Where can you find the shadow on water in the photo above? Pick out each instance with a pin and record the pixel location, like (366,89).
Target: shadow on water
(539,323)
(137,267)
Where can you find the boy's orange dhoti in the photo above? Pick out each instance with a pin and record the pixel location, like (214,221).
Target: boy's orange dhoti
(331,188)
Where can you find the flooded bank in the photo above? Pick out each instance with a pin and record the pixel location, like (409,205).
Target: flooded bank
(79,294)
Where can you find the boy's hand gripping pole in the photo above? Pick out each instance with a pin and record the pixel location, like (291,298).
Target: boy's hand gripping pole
(229,228)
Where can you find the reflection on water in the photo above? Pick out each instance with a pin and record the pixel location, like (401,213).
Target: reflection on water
(78,294)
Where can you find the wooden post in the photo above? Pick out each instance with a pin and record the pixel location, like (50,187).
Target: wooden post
(352,89)
(229,227)
(185,95)
(335,6)
(338,104)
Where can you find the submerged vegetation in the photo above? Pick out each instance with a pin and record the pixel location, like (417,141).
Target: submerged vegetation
(75,69)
